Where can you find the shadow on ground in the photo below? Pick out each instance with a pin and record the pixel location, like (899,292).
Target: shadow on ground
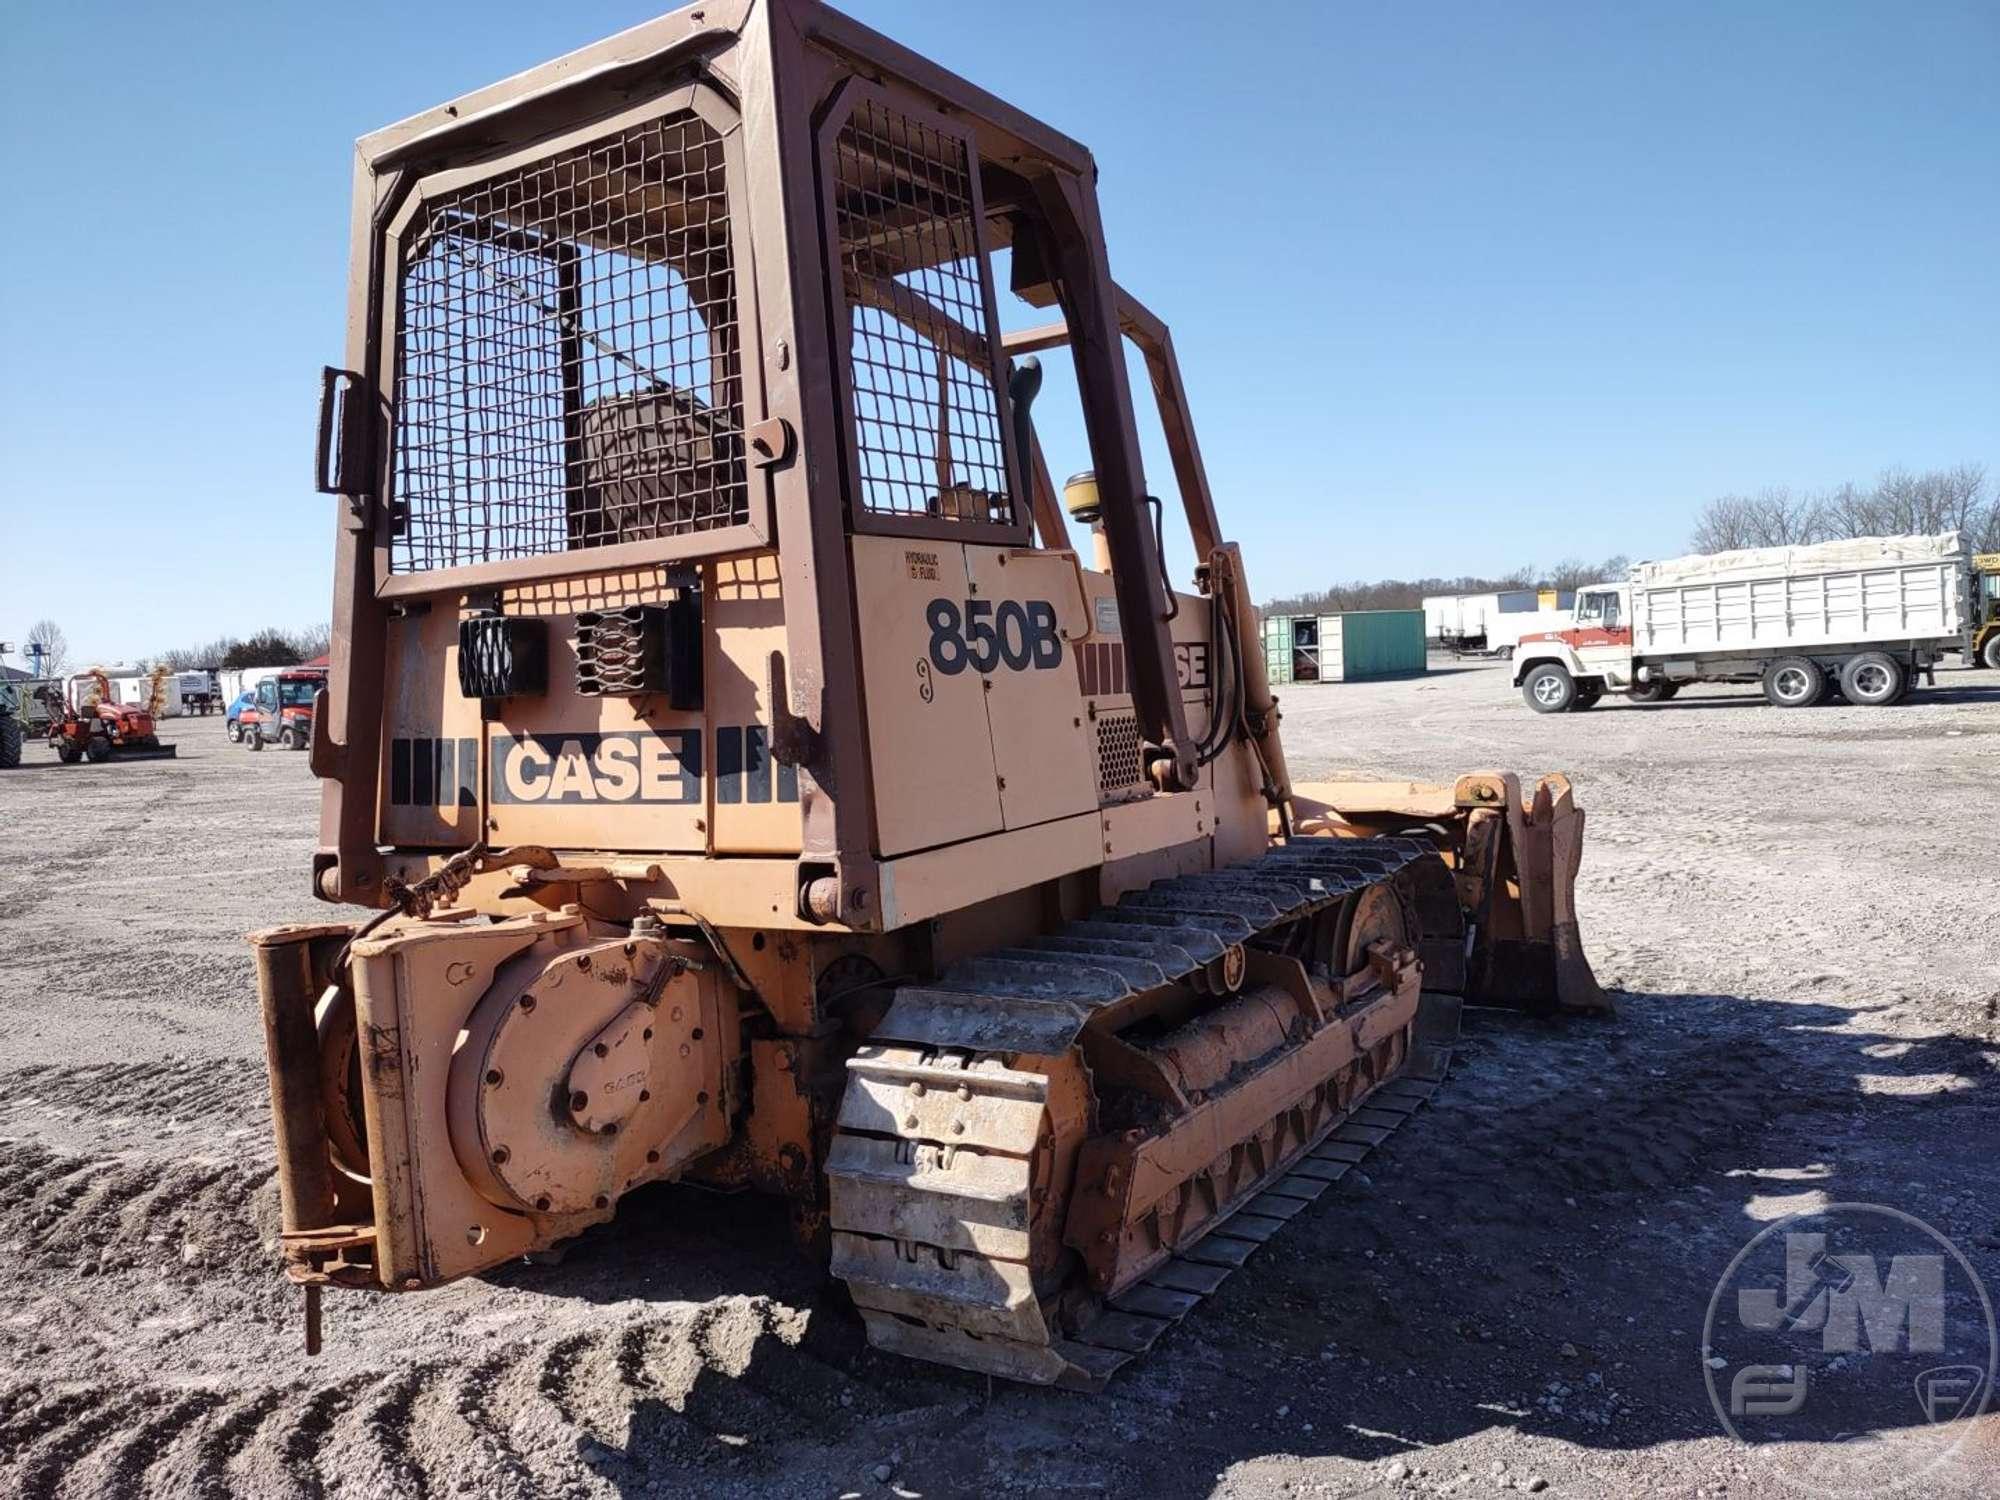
(1535,1252)
(1950,695)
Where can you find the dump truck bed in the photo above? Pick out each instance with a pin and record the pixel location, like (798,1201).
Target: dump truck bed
(1872,589)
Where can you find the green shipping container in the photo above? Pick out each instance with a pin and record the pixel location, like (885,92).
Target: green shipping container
(1344,647)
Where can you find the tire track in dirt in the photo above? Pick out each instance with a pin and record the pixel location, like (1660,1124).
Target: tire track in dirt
(1631,1126)
(368,1445)
(697,1395)
(111,1213)
(122,1466)
(52,1435)
(178,1089)
(282,1454)
(501,1396)
(197,1463)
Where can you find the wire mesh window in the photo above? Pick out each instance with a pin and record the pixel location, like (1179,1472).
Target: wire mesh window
(926,413)
(567,371)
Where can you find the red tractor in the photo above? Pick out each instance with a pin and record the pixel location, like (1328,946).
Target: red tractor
(282,711)
(99,727)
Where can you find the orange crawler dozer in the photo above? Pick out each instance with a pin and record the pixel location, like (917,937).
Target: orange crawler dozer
(756,772)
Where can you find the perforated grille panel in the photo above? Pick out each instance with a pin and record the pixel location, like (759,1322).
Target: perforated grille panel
(926,414)
(566,361)
(1119,769)
(621,652)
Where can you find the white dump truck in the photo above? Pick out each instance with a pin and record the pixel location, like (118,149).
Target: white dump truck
(1863,618)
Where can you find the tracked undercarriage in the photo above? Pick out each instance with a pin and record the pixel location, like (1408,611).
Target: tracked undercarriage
(761,775)
(1051,1153)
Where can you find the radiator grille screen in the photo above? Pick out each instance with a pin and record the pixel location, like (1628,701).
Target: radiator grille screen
(926,415)
(1118,758)
(566,365)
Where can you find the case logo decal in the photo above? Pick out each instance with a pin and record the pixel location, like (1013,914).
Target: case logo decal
(635,766)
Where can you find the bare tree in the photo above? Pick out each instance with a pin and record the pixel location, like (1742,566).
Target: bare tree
(1723,525)
(1899,503)
(49,647)
(1570,573)
(1394,593)
(190,658)
(313,640)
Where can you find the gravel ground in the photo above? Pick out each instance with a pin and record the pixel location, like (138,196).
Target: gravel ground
(1797,909)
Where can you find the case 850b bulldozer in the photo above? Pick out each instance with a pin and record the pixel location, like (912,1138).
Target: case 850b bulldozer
(752,782)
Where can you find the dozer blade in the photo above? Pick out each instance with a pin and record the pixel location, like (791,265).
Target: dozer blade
(1514,864)
(147,752)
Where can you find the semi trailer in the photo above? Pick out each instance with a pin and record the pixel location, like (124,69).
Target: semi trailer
(1862,617)
(1494,622)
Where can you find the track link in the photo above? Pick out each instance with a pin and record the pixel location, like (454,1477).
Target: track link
(950,1155)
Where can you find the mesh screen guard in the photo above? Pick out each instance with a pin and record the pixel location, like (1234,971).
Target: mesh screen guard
(927,433)
(567,370)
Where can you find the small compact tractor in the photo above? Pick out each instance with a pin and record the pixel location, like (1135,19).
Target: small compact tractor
(100,727)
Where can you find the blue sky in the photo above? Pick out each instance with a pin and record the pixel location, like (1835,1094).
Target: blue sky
(1455,287)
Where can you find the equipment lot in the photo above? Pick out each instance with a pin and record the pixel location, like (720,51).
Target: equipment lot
(1798,911)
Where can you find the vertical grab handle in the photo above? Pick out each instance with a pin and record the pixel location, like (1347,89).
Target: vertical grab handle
(330,466)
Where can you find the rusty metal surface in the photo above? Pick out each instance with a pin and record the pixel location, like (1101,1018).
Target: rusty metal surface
(1515,860)
(559,350)
(287,995)
(942,1226)
(1037,998)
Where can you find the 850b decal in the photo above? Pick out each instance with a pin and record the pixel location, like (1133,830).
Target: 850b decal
(1017,634)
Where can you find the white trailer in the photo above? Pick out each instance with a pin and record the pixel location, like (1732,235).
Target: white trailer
(124,686)
(1863,617)
(1493,622)
(239,680)
(1505,632)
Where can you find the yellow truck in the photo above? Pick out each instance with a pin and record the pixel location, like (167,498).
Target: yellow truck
(1986,600)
